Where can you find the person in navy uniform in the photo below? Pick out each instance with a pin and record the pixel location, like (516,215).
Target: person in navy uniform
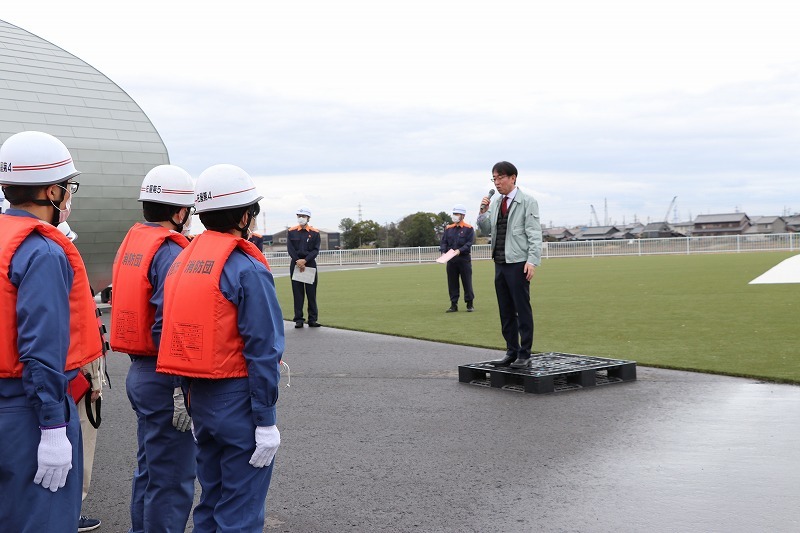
(459,236)
(302,243)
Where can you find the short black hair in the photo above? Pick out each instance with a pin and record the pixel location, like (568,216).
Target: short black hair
(157,212)
(226,219)
(504,168)
(23,194)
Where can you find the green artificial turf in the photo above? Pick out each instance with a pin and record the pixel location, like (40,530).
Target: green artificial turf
(694,312)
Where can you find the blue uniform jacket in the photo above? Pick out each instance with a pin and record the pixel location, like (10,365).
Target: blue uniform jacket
(248,284)
(302,243)
(459,237)
(43,277)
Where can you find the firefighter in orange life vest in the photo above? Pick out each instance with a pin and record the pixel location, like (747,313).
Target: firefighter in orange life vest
(223,330)
(49,330)
(163,482)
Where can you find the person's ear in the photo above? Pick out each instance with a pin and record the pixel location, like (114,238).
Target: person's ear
(52,193)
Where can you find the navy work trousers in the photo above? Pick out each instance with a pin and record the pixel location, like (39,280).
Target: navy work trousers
(26,507)
(163,483)
(300,290)
(460,266)
(514,303)
(233,491)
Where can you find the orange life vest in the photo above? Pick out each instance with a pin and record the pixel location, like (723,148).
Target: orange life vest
(84,339)
(201,335)
(132,314)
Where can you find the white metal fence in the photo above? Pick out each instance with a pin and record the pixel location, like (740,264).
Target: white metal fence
(683,245)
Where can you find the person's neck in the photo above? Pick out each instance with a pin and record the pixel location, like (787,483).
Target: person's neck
(42,212)
(166,224)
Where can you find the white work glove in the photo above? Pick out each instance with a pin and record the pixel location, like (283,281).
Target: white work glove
(180,416)
(55,459)
(268,438)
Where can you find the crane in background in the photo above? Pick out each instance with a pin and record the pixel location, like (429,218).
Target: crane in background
(671,205)
(594,215)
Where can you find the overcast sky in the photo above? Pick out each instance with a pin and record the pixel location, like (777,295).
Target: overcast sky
(404,106)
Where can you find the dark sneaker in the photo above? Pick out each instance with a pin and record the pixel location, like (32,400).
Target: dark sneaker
(453,309)
(298,324)
(88,524)
(314,324)
(470,308)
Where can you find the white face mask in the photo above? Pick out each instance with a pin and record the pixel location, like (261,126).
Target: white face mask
(302,220)
(457,218)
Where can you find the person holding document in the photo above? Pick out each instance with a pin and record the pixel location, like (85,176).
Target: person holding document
(459,237)
(302,243)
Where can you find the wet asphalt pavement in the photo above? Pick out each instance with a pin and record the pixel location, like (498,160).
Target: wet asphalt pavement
(379,435)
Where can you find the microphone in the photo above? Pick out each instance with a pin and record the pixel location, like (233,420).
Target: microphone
(489,196)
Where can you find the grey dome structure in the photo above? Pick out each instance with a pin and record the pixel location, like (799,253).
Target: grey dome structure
(112,142)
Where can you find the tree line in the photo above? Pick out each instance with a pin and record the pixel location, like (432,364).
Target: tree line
(419,229)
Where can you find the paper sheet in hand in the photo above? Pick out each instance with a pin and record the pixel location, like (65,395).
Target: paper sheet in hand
(447,256)
(307,276)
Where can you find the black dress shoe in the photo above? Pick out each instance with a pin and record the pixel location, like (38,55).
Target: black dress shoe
(505,361)
(521,362)
(314,324)
(298,324)
(453,309)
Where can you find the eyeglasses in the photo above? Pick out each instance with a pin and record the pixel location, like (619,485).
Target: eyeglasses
(495,178)
(73,186)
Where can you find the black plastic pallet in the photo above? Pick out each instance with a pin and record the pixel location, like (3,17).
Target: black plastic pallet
(550,372)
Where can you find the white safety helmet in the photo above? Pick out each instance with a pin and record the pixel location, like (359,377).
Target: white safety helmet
(304,211)
(224,187)
(168,184)
(459,209)
(35,158)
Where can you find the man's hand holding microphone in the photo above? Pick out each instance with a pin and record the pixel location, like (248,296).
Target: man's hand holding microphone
(485,201)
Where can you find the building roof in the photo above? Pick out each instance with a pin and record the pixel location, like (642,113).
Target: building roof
(599,230)
(765,220)
(723,217)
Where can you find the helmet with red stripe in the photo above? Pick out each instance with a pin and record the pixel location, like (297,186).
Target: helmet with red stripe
(168,184)
(224,187)
(35,158)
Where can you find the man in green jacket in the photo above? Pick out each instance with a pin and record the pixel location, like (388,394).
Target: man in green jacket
(512,220)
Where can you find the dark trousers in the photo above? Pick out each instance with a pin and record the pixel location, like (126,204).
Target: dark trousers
(163,482)
(233,492)
(514,303)
(300,290)
(460,267)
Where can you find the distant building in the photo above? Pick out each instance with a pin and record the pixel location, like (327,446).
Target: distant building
(763,225)
(659,230)
(598,233)
(328,240)
(634,228)
(557,234)
(792,223)
(684,228)
(722,224)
